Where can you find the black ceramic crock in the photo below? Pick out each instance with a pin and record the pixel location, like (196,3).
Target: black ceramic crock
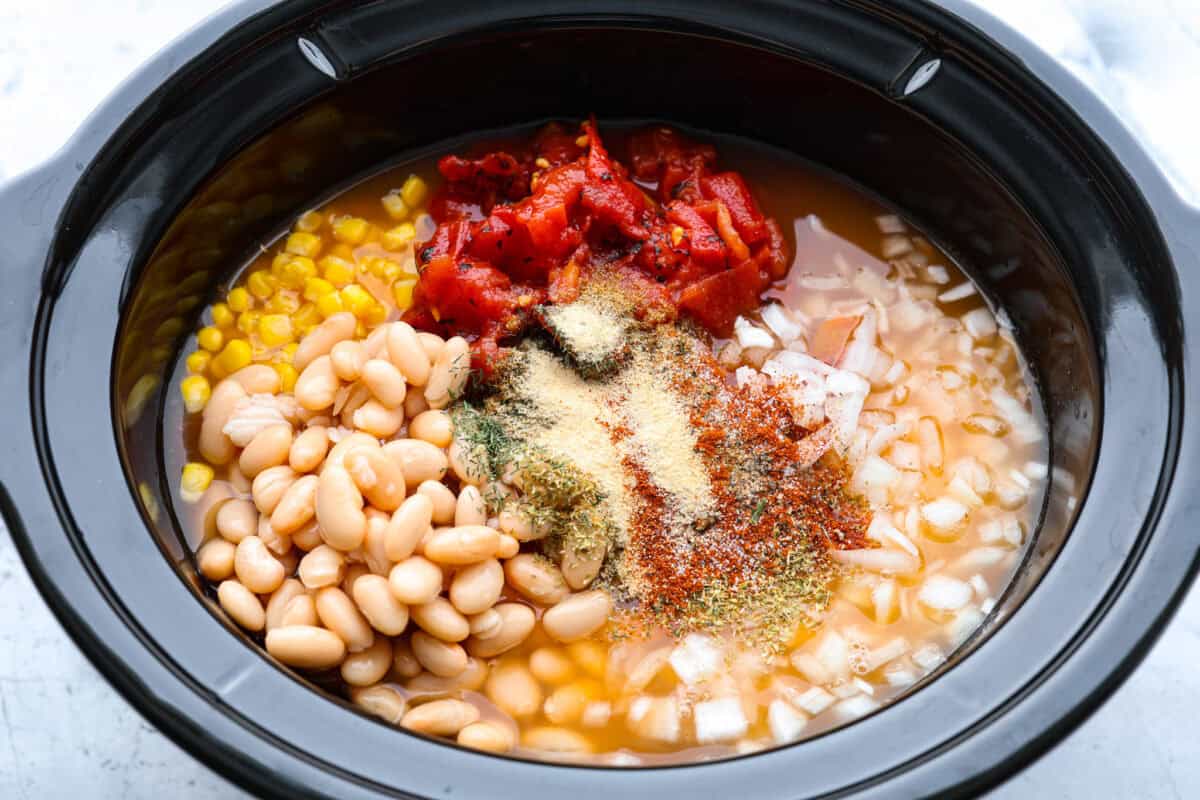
(108,252)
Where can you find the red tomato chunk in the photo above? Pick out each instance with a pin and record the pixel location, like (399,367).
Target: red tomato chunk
(528,225)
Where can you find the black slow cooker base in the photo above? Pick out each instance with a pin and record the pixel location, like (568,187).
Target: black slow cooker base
(982,156)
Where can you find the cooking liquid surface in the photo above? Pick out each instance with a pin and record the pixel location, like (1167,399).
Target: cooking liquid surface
(850,253)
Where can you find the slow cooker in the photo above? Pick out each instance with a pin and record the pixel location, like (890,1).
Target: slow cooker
(993,150)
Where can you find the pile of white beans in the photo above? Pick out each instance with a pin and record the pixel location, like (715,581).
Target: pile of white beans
(350,531)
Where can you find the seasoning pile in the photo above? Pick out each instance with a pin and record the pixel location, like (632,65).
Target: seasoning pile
(697,503)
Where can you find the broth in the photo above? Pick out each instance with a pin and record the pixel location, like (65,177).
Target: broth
(949,453)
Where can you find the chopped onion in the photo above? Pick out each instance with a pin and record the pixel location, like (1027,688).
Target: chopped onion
(814,701)
(786,723)
(846,393)
(777,318)
(1024,425)
(890,223)
(696,659)
(980,323)
(1009,495)
(885,562)
(883,597)
(864,687)
(873,479)
(899,676)
(943,593)
(987,605)
(963,625)
(884,531)
(750,335)
(945,514)
(596,714)
(887,652)
(833,652)
(960,490)
(719,720)
(745,375)
(811,668)
(906,456)
(960,292)
(938,274)
(895,246)
(979,584)
(854,707)
(981,557)
(928,656)
(844,690)
(1035,470)
(655,718)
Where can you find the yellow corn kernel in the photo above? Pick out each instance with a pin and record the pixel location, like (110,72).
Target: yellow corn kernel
(195,391)
(217,372)
(210,339)
(360,330)
(280,261)
(317,287)
(222,316)
(342,251)
(330,304)
(261,284)
(394,205)
(283,303)
(237,354)
(351,230)
(309,222)
(287,375)
(239,300)
(357,300)
(403,292)
(247,321)
(303,244)
(195,480)
(337,270)
(400,236)
(288,351)
(307,316)
(296,272)
(198,362)
(376,314)
(413,191)
(275,329)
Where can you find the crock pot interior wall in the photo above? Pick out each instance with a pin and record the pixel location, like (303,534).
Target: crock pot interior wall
(426,99)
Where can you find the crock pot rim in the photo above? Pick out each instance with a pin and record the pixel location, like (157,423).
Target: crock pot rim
(1172,215)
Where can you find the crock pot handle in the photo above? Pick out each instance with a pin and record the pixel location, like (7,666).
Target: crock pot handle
(29,211)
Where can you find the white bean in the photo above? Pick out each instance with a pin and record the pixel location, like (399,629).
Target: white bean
(241,605)
(415,580)
(477,587)
(444,501)
(255,567)
(408,526)
(441,619)
(578,616)
(449,373)
(420,461)
(309,448)
(339,614)
(296,507)
(339,509)
(440,717)
(433,426)
(321,339)
(214,445)
(317,386)
(385,382)
(373,595)
(322,566)
(516,624)
(367,667)
(214,559)
(378,477)
(536,578)
(268,448)
(306,646)
(444,659)
(405,351)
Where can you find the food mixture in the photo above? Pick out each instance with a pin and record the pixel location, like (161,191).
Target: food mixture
(625,460)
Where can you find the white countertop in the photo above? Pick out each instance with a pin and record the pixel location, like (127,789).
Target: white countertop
(64,733)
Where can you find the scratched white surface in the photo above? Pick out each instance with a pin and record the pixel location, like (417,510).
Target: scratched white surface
(65,734)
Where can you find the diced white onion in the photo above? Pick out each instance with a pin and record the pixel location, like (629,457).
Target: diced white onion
(785,722)
(833,651)
(899,676)
(979,584)
(814,701)
(895,246)
(981,558)
(960,490)
(938,274)
(905,456)
(928,656)
(886,652)
(943,593)
(750,335)
(811,668)
(696,659)
(864,687)
(854,707)
(1035,470)
(777,318)
(843,690)
(890,223)
(873,479)
(719,720)
(885,562)
(945,513)
(980,323)
(955,293)
(965,623)
(745,375)
(884,531)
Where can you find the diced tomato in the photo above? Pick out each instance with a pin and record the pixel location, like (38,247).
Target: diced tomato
(609,194)
(829,340)
(465,295)
(730,189)
(547,213)
(449,240)
(716,301)
(704,246)
(772,255)
(556,145)
(665,155)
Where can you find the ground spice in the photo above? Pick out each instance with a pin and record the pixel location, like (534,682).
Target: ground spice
(704,494)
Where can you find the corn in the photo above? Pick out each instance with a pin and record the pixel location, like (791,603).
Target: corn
(337,271)
(360,330)
(342,251)
(237,354)
(403,292)
(198,362)
(287,375)
(222,316)
(676,235)
(283,303)
(247,321)
(275,329)
(315,288)
(239,300)
(261,284)
(394,205)
(210,338)
(309,222)
(303,244)
(413,191)
(195,480)
(297,271)
(280,261)
(307,316)
(330,304)
(357,300)
(400,236)
(376,314)
(195,391)
(288,351)
(351,230)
